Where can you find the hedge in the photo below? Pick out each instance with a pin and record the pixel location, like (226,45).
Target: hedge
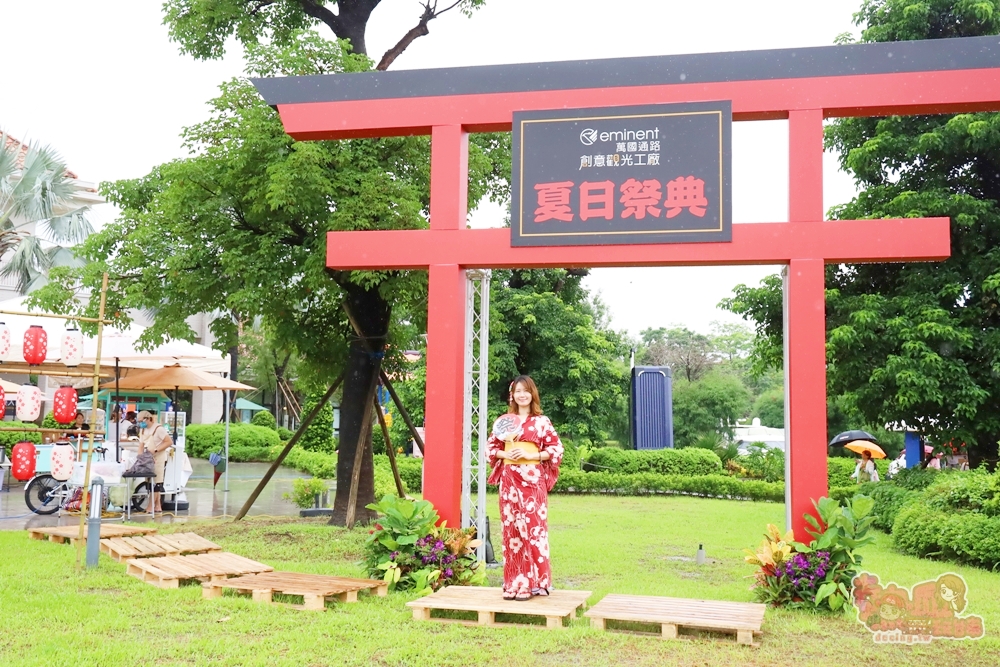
(10,438)
(636,484)
(839,470)
(967,537)
(688,461)
(264,418)
(246,441)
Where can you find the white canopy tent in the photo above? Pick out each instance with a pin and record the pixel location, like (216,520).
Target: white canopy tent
(117,345)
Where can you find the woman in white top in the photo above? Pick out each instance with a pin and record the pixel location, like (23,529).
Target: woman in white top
(865,471)
(153,437)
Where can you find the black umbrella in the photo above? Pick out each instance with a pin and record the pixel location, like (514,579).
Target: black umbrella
(851,436)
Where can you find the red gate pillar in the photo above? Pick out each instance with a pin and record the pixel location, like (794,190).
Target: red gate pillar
(805,330)
(446,329)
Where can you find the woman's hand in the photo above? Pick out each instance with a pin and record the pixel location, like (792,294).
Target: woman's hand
(515,454)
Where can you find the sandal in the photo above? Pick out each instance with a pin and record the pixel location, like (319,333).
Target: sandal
(509,595)
(522,595)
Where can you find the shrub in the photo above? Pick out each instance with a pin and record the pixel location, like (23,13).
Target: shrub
(319,435)
(967,537)
(763,462)
(245,441)
(407,550)
(637,484)
(818,575)
(688,461)
(304,491)
(9,438)
(970,491)
(265,419)
(889,500)
(317,464)
(285,434)
(49,421)
(411,471)
(916,479)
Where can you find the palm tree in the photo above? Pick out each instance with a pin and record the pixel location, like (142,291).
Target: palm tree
(40,213)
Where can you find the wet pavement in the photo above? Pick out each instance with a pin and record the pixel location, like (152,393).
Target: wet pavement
(203,500)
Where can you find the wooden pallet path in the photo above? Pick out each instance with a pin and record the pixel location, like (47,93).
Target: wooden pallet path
(742,618)
(169,571)
(148,546)
(488,602)
(63,534)
(313,588)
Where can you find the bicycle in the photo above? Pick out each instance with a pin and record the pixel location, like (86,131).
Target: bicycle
(45,495)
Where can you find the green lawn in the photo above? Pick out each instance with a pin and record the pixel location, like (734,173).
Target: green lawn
(50,615)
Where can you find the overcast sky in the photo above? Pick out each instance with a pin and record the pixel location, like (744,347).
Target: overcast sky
(100,82)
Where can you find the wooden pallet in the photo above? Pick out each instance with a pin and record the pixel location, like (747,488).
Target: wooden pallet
(123,548)
(743,618)
(488,602)
(70,534)
(313,588)
(169,571)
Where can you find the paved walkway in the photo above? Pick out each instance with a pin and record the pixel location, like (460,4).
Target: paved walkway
(203,499)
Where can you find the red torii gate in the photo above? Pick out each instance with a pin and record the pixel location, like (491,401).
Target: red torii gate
(803,85)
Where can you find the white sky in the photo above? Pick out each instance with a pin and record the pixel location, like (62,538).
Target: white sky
(100,82)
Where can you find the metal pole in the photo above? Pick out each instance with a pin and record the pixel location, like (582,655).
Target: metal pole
(226,403)
(94,521)
(484,377)
(121,417)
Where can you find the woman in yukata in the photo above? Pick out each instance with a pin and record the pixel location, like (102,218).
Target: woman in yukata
(524,460)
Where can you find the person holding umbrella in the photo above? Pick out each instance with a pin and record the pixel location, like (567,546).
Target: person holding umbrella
(865,471)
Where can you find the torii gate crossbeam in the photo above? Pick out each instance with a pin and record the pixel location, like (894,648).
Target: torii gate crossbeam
(802,85)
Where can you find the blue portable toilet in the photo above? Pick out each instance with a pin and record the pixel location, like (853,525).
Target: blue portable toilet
(914,449)
(652,414)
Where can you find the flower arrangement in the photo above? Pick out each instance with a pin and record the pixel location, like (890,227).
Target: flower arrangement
(817,575)
(409,551)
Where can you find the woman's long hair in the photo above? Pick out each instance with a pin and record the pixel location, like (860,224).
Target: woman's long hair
(529,384)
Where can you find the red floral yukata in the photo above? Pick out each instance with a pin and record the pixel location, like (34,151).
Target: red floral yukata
(524,508)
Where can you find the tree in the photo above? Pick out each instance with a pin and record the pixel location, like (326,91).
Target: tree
(709,405)
(241,226)
(37,207)
(689,354)
(770,408)
(202,27)
(543,323)
(916,343)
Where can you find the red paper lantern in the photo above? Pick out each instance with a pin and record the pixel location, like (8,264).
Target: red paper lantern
(23,461)
(4,342)
(64,404)
(36,345)
(63,458)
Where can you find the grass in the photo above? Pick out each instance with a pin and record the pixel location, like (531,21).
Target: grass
(50,615)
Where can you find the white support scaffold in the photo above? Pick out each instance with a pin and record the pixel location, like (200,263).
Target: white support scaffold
(475,429)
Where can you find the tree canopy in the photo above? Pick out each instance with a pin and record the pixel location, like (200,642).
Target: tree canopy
(915,342)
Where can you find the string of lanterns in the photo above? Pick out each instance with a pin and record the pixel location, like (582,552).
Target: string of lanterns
(35,350)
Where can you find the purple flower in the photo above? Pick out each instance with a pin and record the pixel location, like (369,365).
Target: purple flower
(448,572)
(821,572)
(439,545)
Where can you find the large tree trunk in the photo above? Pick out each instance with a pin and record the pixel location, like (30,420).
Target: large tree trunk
(371,312)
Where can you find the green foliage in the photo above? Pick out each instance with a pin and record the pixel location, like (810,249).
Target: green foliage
(841,530)
(725,450)
(304,491)
(709,405)
(770,408)
(648,483)
(266,419)
(246,441)
(688,353)
(690,461)
(285,434)
(10,438)
(889,500)
(318,464)
(49,421)
(915,342)
(542,323)
(840,469)
(917,478)
(411,472)
(318,436)
(973,491)
(409,551)
(763,462)
(966,537)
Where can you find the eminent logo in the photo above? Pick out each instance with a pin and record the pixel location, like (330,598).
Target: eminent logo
(588,137)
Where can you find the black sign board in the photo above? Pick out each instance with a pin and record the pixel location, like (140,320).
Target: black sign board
(622,175)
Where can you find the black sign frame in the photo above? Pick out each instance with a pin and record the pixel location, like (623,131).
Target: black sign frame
(546,150)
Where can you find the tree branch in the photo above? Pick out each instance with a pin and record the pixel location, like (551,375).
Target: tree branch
(318,11)
(430,13)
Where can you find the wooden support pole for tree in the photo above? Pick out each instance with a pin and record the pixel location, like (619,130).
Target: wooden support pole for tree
(389,450)
(291,443)
(402,411)
(364,437)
